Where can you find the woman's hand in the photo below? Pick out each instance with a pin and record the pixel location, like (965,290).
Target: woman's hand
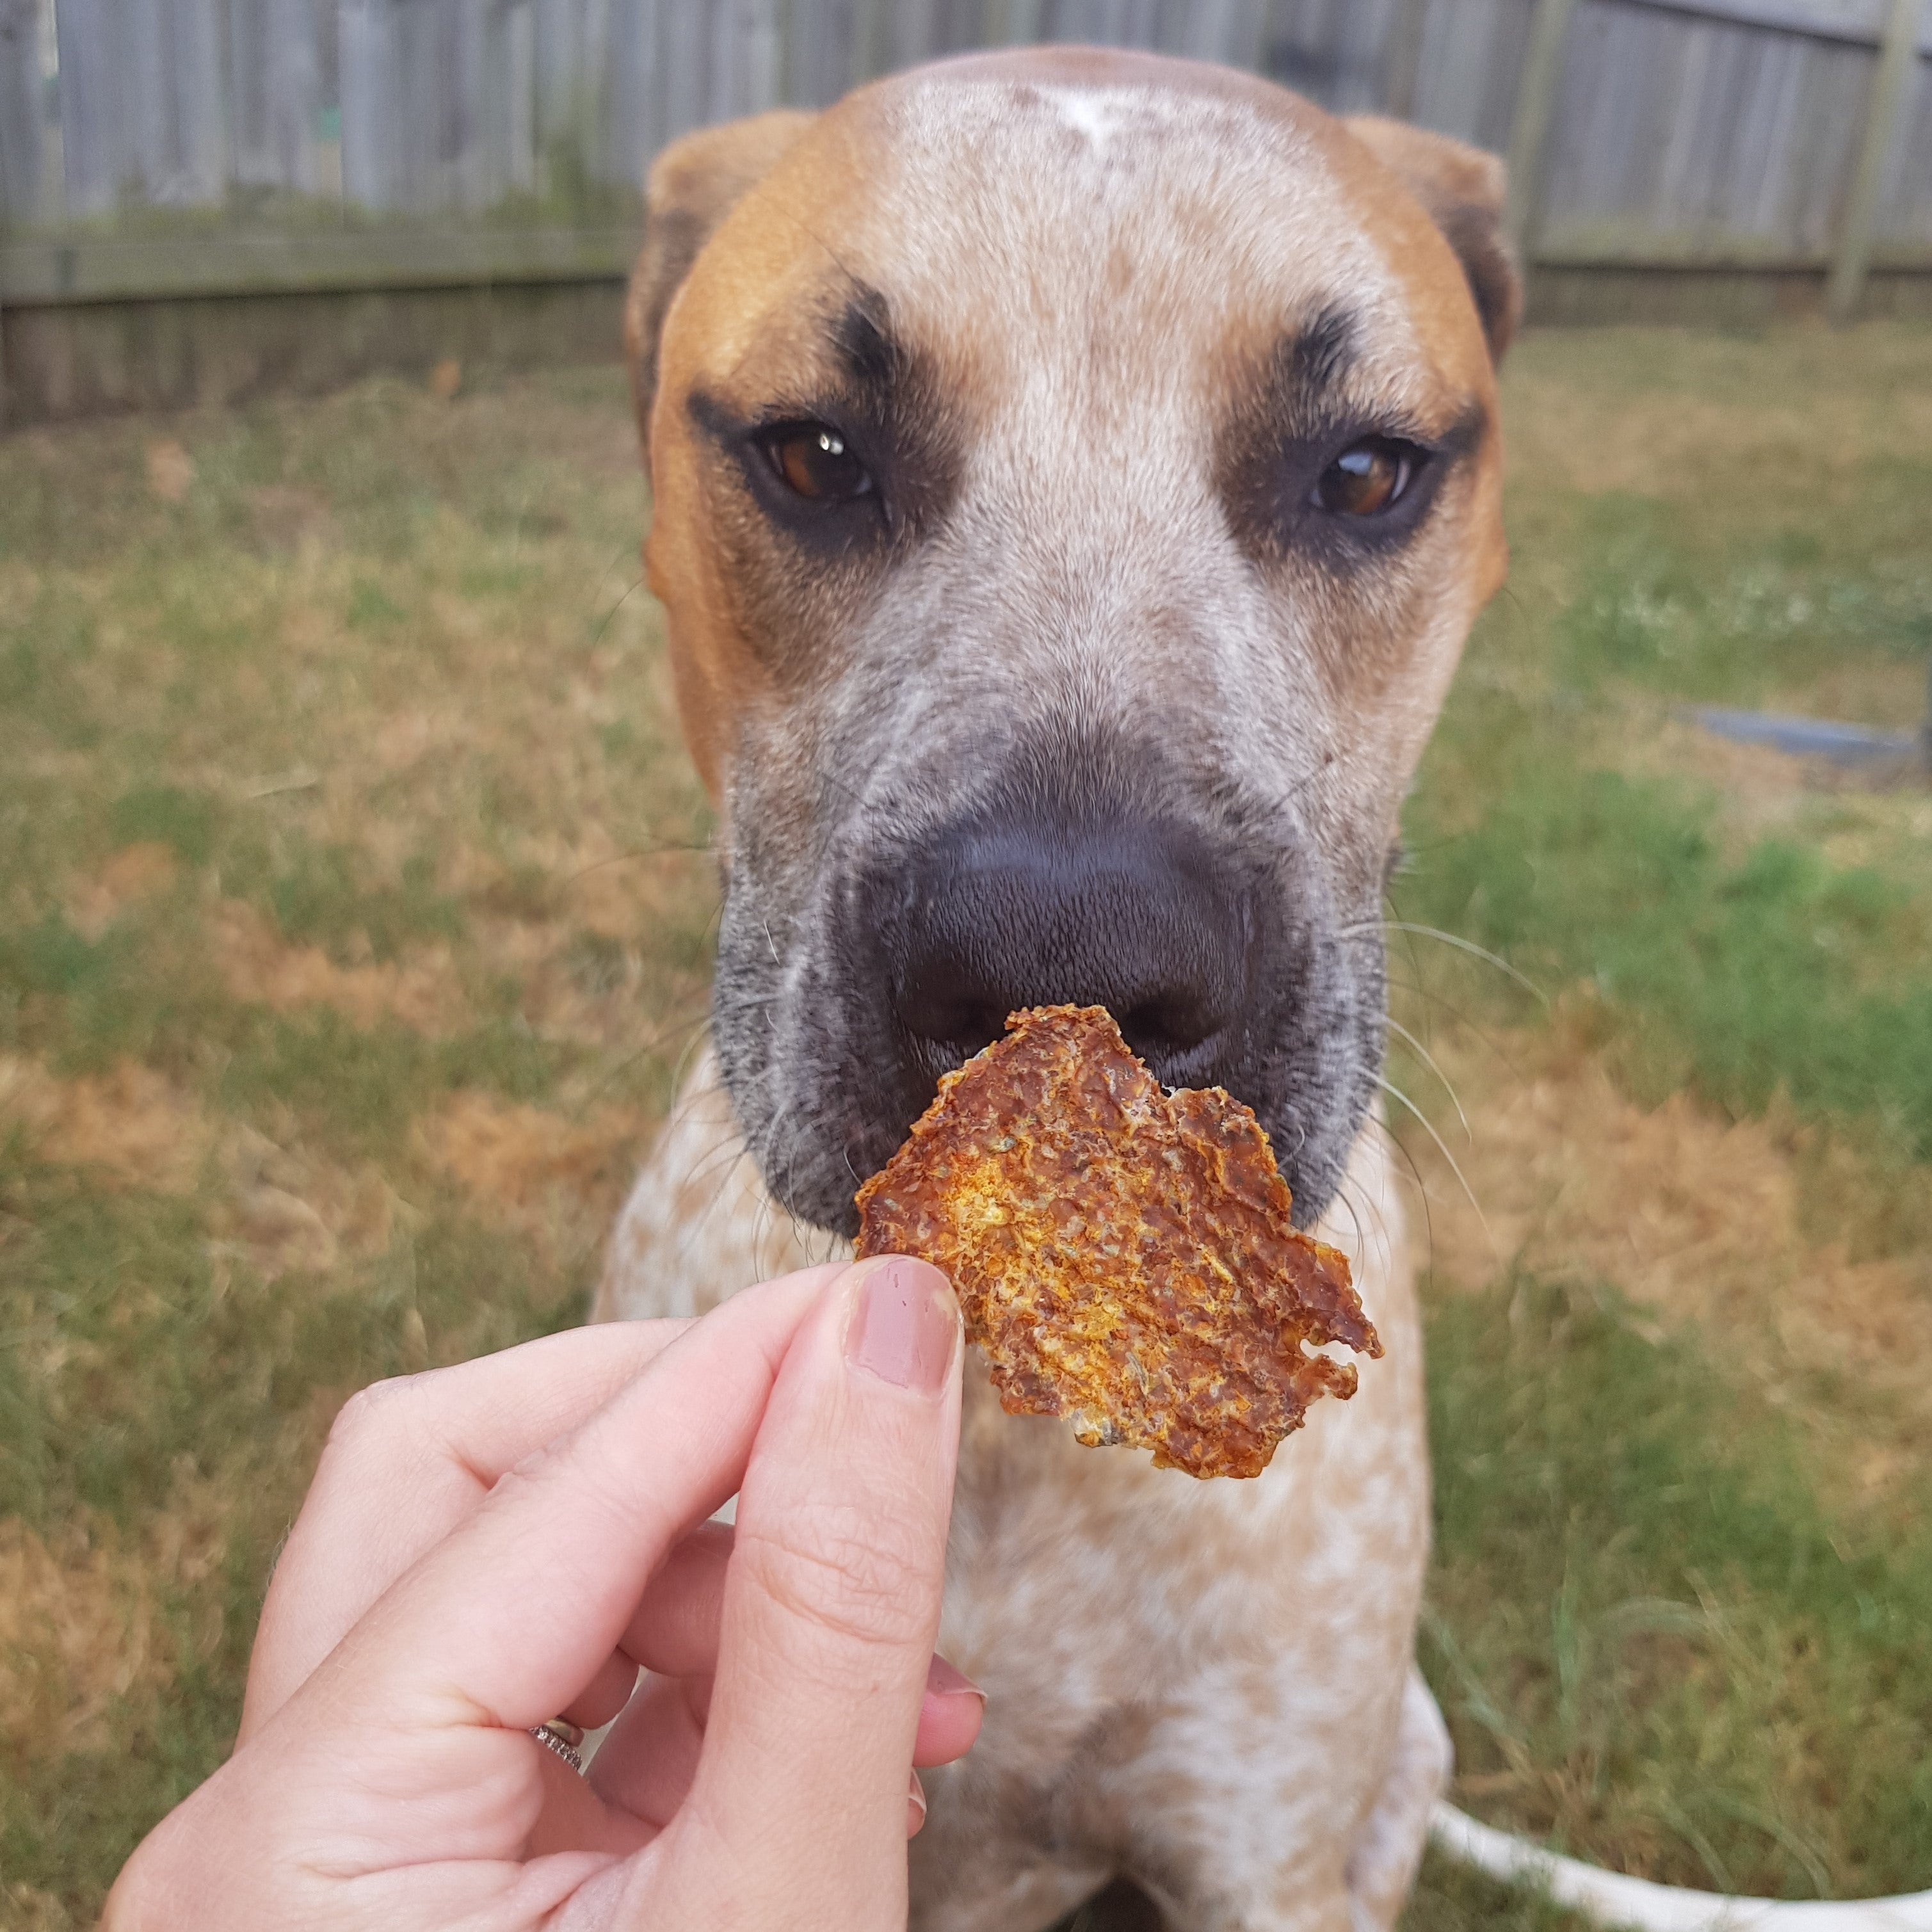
(490,1546)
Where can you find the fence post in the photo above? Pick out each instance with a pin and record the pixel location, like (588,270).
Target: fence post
(1852,256)
(1529,128)
(1403,58)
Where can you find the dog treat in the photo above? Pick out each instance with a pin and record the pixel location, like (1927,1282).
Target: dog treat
(1124,1258)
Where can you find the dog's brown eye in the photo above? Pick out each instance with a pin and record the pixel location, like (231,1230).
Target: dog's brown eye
(1365,478)
(812,459)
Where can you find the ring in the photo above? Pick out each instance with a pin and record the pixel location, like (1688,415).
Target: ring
(561,1740)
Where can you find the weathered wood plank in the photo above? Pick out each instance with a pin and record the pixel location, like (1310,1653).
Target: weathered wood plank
(820,49)
(624,86)
(274,73)
(370,63)
(143,110)
(1469,63)
(1333,51)
(507,115)
(1536,103)
(20,116)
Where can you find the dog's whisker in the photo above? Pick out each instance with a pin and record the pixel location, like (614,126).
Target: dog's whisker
(1428,1059)
(638,585)
(1421,1186)
(1389,1087)
(1299,784)
(669,849)
(1355,1219)
(731,1151)
(699,1039)
(617,557)
(1356,1199)
(1469,947)
(625,1062)
(1463,1017)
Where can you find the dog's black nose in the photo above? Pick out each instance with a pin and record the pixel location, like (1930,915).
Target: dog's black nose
(1135,915)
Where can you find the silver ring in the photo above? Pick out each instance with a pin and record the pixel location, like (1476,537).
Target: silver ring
(561,1740)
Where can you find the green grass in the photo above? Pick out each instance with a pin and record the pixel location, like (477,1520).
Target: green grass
(1670,1632)
(1772,971)
(1764,565)
(1648,1626)
(353,914)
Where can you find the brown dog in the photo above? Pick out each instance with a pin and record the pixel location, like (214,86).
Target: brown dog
(1076,474)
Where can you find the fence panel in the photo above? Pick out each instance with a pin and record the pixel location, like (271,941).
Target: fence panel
(1682,138)
(274,84)
(1468,64)
(1692,131)
(822,49)
(20,143)
(143,108)
(1333,51)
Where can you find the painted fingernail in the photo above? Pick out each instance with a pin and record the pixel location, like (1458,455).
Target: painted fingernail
(942,1680)
(905,1325)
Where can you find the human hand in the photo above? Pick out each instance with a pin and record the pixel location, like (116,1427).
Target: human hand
(489,1546)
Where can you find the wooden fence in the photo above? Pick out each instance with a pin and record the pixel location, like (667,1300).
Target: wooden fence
(157,149)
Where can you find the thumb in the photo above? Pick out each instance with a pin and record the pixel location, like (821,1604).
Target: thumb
(832,1601)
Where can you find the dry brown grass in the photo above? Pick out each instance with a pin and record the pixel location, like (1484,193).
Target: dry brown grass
(1727,1226)
(129,1127)
(258,968)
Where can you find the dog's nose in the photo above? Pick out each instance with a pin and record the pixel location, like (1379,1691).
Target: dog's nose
(1135,915)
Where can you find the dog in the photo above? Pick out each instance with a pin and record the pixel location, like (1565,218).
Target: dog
(1075,475)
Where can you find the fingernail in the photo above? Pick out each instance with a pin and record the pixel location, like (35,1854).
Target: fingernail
(904,1325)
(915,1806)
(942,1680)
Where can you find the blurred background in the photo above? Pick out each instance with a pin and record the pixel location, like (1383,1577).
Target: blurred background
(204,197)
(356,902)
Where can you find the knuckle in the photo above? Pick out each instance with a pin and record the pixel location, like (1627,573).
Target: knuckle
(374,1421)
(358,1418)
(859,1576)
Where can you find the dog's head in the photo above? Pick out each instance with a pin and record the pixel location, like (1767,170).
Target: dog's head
(1074,476)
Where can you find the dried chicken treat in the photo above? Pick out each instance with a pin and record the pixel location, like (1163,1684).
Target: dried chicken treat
(1125,1258)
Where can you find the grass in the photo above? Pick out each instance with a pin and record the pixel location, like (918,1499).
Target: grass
(353,917)
(1699,1660)
(1684,1517)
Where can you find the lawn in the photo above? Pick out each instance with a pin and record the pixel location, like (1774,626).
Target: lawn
(354,917)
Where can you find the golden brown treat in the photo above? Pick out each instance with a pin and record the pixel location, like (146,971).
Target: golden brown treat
(1125,1258)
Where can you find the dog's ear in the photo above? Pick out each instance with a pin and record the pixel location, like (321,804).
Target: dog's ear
(691,188)
(1462,190)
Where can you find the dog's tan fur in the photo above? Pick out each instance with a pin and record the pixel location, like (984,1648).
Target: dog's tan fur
(1207,1686)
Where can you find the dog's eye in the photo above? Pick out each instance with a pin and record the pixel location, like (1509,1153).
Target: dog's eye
(1369,477)
(813,461)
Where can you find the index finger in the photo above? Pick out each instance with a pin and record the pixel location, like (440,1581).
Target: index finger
(408,1460)
(507,1618)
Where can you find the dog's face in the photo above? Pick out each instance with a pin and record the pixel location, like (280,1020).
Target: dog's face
(1075,477)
